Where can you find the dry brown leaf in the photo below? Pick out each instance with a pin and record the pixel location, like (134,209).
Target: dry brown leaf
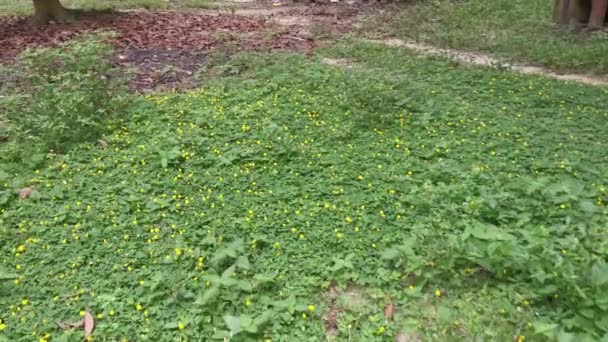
(26,192)
(89,324)
(70,325)
(388,311)
(102,143)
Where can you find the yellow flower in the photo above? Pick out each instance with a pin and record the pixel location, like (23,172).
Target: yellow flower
(142,282)
(304,315)
(348,219)
(2,326)
(181,326)
(82,313)
(25,302)
(248,302)
(301,235)
(311,308)
(437,293)
(178,251)
(111,313)
(21,248)
(521,338)
(381,330)
(138,307)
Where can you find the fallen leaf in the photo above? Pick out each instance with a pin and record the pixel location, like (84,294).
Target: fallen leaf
(388,311)
(89,324)
(70,325)
(102,143)
(26,192)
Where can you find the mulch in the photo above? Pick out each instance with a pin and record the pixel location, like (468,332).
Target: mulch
(166,48)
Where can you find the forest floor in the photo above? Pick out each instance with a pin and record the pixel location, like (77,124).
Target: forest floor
(297,173)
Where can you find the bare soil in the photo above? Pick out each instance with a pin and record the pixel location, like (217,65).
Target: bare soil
(166,48)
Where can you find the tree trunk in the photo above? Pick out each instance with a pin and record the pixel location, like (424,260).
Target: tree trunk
(578,12)
(561,14)
(47,10)
(598,13)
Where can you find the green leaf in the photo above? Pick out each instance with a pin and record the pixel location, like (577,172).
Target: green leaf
(264,318)
(599,274)
(488,232)
(229,272)
(234,324)
(390,254)
(208,297)
(171,325)
(5,275)
(545,328)
(244,285)
(243,263)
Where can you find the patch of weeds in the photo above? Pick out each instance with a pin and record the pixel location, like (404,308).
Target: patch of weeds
(68,96)
(320,31)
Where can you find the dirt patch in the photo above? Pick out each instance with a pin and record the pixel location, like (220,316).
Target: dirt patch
(340,301)
(339,62)
(161,69)
(166,48)
(482,59)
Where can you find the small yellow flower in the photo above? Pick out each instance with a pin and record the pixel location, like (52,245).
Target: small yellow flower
(2,326)
(21,248)
(381,330)
(437,293)
(248,302)
(142,282)
(25,302)
(111,313)
(302,236)
(348,219)
(138,307)
(177,251)
(82,313)
(181,326)
(521,338)
(304,315)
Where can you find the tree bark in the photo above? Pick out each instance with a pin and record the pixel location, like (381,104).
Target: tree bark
(598,13)
(578,12)
(47,10)
(561,14)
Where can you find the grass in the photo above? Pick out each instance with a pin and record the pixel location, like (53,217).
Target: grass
(471,200)
(516,29)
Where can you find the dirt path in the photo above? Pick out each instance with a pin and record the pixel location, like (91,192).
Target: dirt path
(481,59)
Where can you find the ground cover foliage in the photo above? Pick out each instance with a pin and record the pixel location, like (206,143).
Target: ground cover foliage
(291,200)
(520,30)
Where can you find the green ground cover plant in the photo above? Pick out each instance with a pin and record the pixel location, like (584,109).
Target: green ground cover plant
(67,95)
(301,201)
